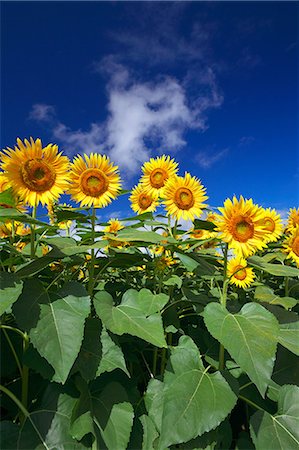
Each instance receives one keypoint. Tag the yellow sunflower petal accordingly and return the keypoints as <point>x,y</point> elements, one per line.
<point>183,197</point>
<point>142,200</point>
<point>36,174</point>
<point>272,224</point>
<point>291,245</point>
<point>95,180</point>
<point>156,172</point>
<point>239,225</point>
<point>293,219</point>
<point>238,272</point>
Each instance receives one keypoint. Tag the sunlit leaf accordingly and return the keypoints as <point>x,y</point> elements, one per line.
<point>278,270</point>
<point>289,336</point>
<point>10,290</point>
<point>249,336</point>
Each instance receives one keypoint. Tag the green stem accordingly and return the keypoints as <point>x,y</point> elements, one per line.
<point>32,236</point>
<point>92,261</point>
<point>223,299</point>
<point>155,361</point>
<point>24,411</point>
<point>246,400</point>
<point>16,330</point>
<point>13,351</point>
<point>25,376</point>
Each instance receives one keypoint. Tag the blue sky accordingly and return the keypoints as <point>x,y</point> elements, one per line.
<point>214,84</point>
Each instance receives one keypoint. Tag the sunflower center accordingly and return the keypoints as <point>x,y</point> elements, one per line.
<point>240,273</point>
<point>144,201</point>
<point>184,198</point>
<point>37,175</point>
<point>94,182</point>
<point>295,246</point>
<point>242,229</point>
<point>158,178</point>
<point>269,224</point>
<point>197,234</point>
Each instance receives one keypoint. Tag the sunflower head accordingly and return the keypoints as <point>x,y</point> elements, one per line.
<point>238,272</point>
<point>272,224</point>
<point>37,174</point>
<point>142,200</point>
<point>95,180</point>
<point>114,226</point>
<point>183,197</point>
<point>291,245</point>
<point>156,172</point>
<point>293,219</point>
<point>4,182</point>
<point>239,225</point>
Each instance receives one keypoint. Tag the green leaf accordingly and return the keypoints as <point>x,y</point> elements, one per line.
<point>289,336</point>
<point>174,280</point>
<point>10,290</point>
<point>27,308</point>
<point>130,317</point>
<point>150,433</point>
<point>59,331</point>
<point>266,294</point>
<point>188,262</point>
<point>112,356</point>
<point>142,236</point>
<point>34,267</point>
<point>50,423</point>
<point>274,269</point>
<point>195,401</point>
<point>89,357</point>
<point>279,431</point>
<point>14,214</point>
<point>7,198</point>
<point>154,402</point>
<point>249,336</point>
<point>204,225</point>
<point>106,412</point>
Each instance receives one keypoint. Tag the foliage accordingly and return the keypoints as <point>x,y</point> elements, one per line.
<point>135,339</point>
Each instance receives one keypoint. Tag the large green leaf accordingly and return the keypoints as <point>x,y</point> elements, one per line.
<point>130,317</point>
<point>112,356</point>
<point>105,413</point>
<point>10,289</point>
<point>27,308</point>
<point>266,294</point>
<point>289,336</point>
<point>195,401</point>
<point>279,431</point>
<point>49,426</point>
<point>154,402</point>
<point>278,270</point>
<point>59,331</point>
<point>249,336</point>
<point>150,433</point>
<point>128,235</point>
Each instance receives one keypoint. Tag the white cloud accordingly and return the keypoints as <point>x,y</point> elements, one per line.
<point>42,112</point>
<point>206,159</point>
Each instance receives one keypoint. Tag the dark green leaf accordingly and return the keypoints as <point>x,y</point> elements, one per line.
<point>279,431</point>
<point>129,317</point>
<point>278,270</point>
<point>112,356</point>
<point>150,433</point>
<point>59,331</point>
<point>289,336</point>
<point>250,337</point>
<point>190,391</point>
<point>266,294</point>
<point>10,290</point>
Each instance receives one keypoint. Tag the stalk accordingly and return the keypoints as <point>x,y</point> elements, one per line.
<point>25,377</point>
<point>32,236</point>
<point>223,299</point>
<point>92,261</point>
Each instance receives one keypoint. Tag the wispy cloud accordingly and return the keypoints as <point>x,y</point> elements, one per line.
<point>245,141</point>
<point>42,112</point>
<point>208,158</point>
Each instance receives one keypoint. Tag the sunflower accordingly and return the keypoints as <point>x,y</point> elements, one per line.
<point>272,224</point>
<point>8,228</point>
<point>95,181</point>
<point>238,272</point>
<point>291,245</point>
<point>143,200</point>
<point>37,174</point>
<point>239,226</point>
<point>293,219</point>
<point>4,183</point>
<point>184,197</point>
<point>156,172</point>
<point>114,226</point>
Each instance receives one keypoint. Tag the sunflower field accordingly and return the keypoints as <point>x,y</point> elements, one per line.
<point>174,328</point>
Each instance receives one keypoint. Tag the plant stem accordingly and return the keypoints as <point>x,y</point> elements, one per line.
<point>223,299</point>
<point>25,376</point>
<point>13,350</point>
<point>32,236</point>
<point>92,261</point>
<point>246,400</point>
